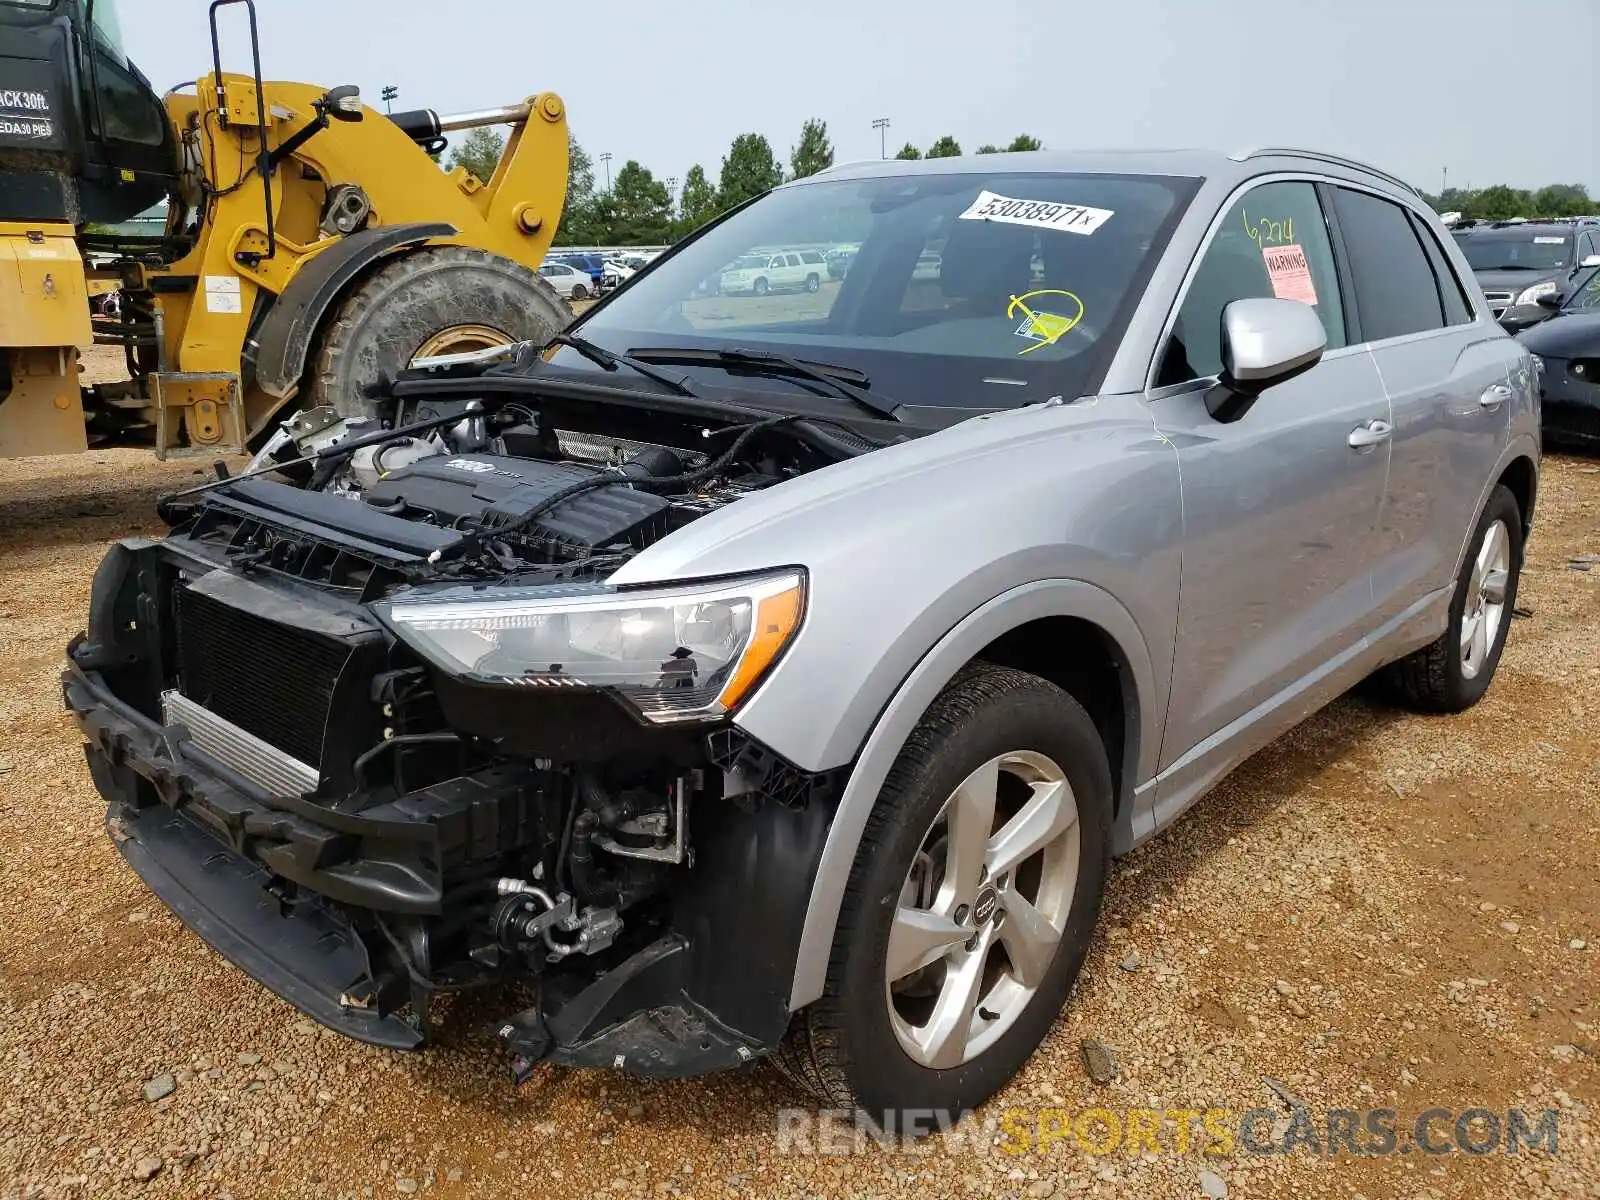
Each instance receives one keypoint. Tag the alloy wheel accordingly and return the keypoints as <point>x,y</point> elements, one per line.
<point>1485,608</point>
<point>982,909</point>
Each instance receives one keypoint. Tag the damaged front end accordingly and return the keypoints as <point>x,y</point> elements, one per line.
<point>367,781</point>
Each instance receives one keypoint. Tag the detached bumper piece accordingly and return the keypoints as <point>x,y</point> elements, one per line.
<point>308,955</point>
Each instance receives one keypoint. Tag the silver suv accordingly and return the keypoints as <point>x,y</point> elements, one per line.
<point>779,680</point>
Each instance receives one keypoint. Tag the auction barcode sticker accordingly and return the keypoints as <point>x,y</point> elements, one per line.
<point>1040,214</point>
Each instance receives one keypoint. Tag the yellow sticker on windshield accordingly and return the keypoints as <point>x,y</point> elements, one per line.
<point>1038,326</point>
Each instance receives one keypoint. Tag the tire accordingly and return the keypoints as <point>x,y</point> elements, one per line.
<point>761,287</point>
<point>379,326</point>
<point>813,283</point>
<point>1443,677</point>
<point>847,1048</point>
<point>579,292</point>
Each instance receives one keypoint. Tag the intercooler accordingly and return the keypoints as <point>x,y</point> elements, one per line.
<point>272,680</point>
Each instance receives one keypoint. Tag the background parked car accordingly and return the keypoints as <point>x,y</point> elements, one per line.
<point>785,270</point>
<point>568,281</point>
<point>1568,346</point>
<point>1518,261</point>
<point>593,264</point>
<point>616,273</point>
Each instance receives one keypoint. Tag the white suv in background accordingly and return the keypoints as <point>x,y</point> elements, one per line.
<point>782,270</point>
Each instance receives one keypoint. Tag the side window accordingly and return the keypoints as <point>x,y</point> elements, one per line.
<point>1457,308</point>
<point>776,263</point>
<point>793,260</point>
<point>127,112</point>
<point>811,256</point>
<point>1272,242</point>
<point>1394,284</point>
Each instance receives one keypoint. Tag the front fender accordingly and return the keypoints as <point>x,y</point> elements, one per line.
<point>279,348</point>
<point>1030,602</point>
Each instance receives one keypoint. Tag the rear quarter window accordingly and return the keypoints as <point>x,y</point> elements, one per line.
<point>1396,293</point>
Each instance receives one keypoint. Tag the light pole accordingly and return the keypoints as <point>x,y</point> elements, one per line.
<point>388,94</point>
<point>672,189</point>
<point>881,124</point>
<point>605,160</point>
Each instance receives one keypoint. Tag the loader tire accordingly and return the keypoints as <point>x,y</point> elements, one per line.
<point>440,299</point>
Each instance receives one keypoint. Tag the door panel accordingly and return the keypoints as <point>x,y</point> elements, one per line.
<point>1280,513</point>
<point>1447,435</point>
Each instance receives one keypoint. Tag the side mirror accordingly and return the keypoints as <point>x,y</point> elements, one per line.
<point>1264,342</point>
<point>343,103</point>
<point>1550,300</point>
<point>1592,260</point>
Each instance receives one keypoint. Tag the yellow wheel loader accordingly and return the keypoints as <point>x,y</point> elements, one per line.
<point>310,246</point>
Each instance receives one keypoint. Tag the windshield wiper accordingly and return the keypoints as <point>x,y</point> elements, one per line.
<point>847,383</point>
<point>611,360</point>
<point>1512,267</point>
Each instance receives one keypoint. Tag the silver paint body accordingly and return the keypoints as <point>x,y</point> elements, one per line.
<point>1249,572</point>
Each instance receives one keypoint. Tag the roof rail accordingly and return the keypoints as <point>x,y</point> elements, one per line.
<point>1337,159</point>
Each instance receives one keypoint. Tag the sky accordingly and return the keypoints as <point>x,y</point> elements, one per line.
<point>1490,91</point>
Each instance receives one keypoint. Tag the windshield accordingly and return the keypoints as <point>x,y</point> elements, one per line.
<point>1512,250</point>
<point>1585,294</point>
<point>964,290</point>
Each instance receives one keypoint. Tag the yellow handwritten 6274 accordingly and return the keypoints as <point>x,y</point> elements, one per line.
<point>1266,232</point>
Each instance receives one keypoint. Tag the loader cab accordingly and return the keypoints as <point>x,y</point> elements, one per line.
<point>83,136</point>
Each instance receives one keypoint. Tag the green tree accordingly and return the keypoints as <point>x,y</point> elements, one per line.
<point>1562,200</point>
<point>748,169</point>
<point>1025,141</point>
<point>642,214</point>
<point>578,214</point>
<point>815,151</point>
<point>909,151</point>
<point>478,152</point>
<point>1497,203</point>
<point>988,148</point>
<point>945,147</point>
<point>698,202</point>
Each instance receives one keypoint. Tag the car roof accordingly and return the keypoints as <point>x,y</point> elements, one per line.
<point>1214,165</point>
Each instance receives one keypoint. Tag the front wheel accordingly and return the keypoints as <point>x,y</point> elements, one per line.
<point>761,288</point>
<point>970,907</point>
<point>1452,673</point>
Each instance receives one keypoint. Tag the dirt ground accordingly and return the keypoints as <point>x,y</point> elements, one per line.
<point>1380,911</point>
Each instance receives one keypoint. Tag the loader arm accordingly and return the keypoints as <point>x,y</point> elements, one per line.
<point>224,286</point>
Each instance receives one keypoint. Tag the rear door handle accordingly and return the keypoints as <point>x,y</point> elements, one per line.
<point>1368,435</point>
<point>1494,397</point>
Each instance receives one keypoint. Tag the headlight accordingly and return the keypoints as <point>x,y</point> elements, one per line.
<point>1531,295</point>
<point>675,653</point>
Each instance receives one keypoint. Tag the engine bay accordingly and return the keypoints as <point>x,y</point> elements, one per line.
<point>524,493</point>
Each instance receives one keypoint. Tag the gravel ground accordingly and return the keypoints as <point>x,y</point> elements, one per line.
<point>1379,911</point>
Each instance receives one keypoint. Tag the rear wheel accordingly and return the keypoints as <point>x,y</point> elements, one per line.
<point>579,292</point>
<point>438,300</point>
<point>812,283</point>
<point>970,908</point>
<point>1452,673</point>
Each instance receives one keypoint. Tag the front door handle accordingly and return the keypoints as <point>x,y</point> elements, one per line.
<point>1494,397</point>
<point>1368,435</point>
